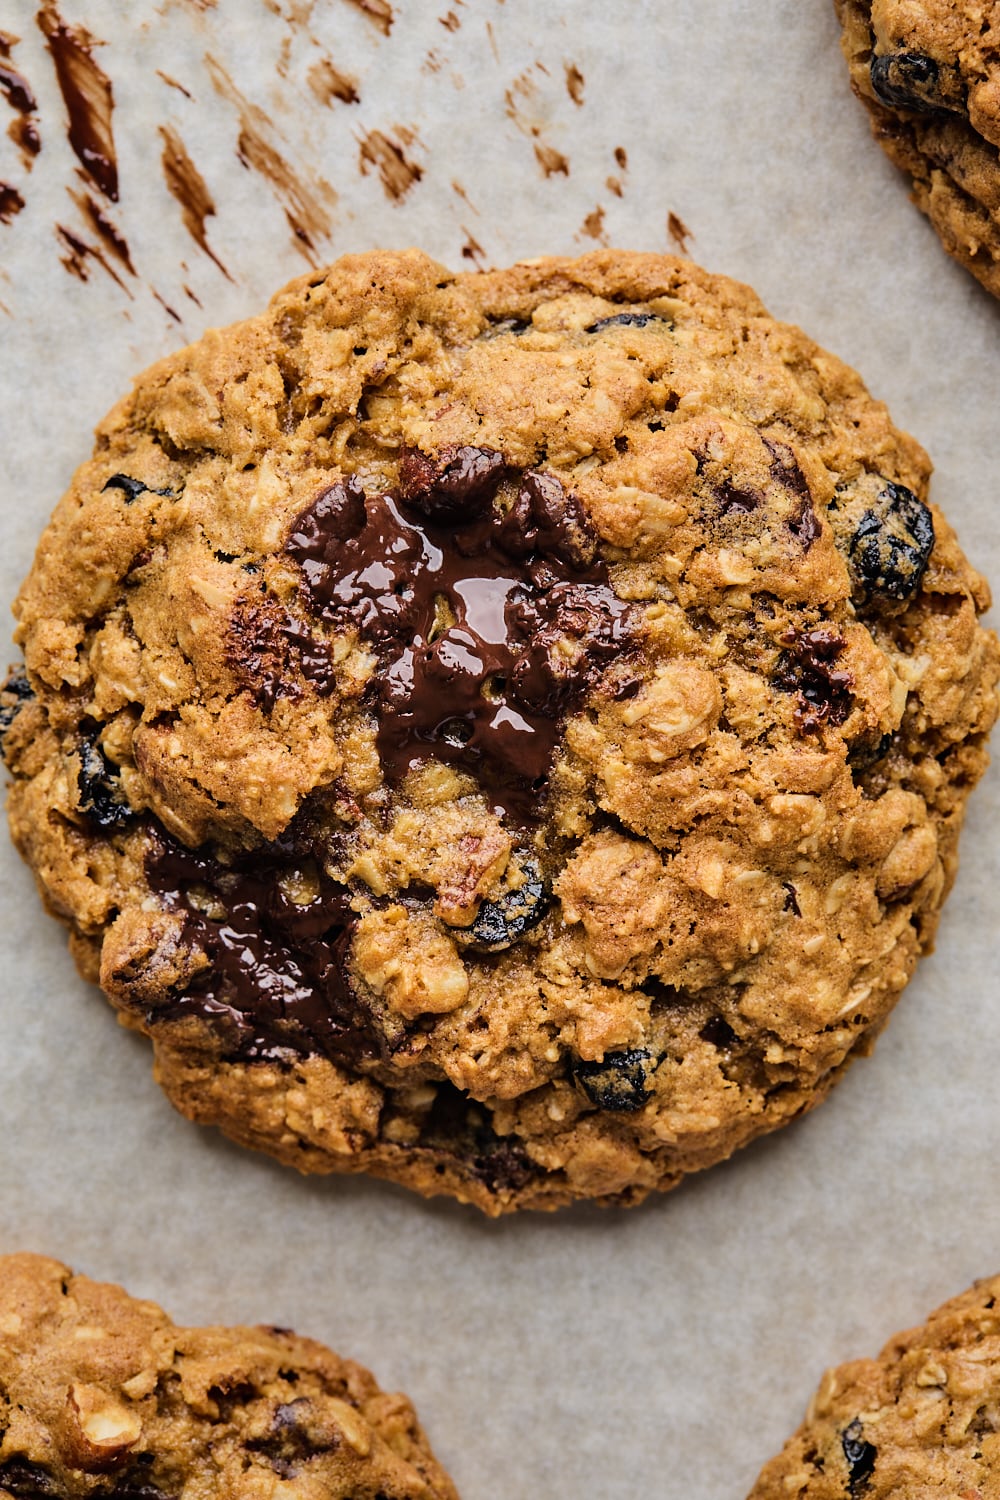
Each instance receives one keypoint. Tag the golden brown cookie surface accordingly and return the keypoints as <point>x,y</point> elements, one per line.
<point>102,1395</point>
<point>929,73</point>
<point>923,1419</point>
<point>505,732</point>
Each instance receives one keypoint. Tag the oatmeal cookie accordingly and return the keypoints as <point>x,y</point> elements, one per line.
<point>505,732</point>
<point>101,1395</point>
<point>922,1420</point>
<point>929,73</point>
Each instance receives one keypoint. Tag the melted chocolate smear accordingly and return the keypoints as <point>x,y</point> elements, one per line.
<point>277,979</point>
<point>87,94</point>
<point>809,667</point>
<point>785,470</point>
<point>469,609</point>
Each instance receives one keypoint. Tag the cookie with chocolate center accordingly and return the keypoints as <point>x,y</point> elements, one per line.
<point>929,73</point>
<point>921,1419</point>
<point>102,1395</point>
<point>505,732</point>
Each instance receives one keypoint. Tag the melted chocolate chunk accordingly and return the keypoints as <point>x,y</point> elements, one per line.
<point>804,524</point>
<point>624,320</point>
<point>269,650</point>
<point>491,625</point>
<point>914,81</point>
<point>277,979</point>
<point>892,544</point>
<point>733,499</point>
<point>501,923</point>
<point>131,488</point>
<point>457,484</point>
<point>860,1456</point>
<point>101,796</point>
<point>809,668</point>
<point>617,1083</point>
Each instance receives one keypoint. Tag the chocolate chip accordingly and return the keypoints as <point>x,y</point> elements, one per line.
<point>15,693</point>
<point>501,923</point>
<point>791,898</point>
<point>458,482</point>
<point>515,326</point>
<point>624,320</point>
<point>860,1456</point>
<point>101,796</point>
<point>617,1083</point>
<point>809,668</point>
<point>914,81</point>
<point>26,1480</point>
<point>131,488</point>
<point>892,544</point>
<point>733,498</point>
<point>457,1125</point>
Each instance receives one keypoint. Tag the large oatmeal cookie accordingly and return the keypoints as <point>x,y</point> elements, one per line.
<point>921,1421</point>
<point>101,1395</point>
<point>929,73</point>
<point>505,732</point>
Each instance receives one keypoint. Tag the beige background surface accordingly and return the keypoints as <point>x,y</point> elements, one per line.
<point>667,1351</point>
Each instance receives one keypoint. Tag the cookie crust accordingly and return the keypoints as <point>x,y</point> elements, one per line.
<point>101,1394</point>
<point>752,657</point>
<point>928,72</point>
<point>920,1420</point>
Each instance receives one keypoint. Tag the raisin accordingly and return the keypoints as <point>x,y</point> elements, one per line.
<point>503,922</point>
<point>624,320</point>
<point>892,544</point>
<point>860,1456</point>
<point>14,694</point>
<point>101,795</point>
<point>913,81</point>
<point>617,1083</point>
<point>131,488</point>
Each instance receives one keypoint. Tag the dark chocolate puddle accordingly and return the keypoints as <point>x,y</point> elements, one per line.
<point>277,980</point>
<point>490,624</point>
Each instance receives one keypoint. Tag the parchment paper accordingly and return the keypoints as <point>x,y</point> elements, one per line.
<point>668,1350</point>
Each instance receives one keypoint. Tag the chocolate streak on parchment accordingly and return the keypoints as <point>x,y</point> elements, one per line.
<point>79,254</point>
<point>379,11</point>
<point>23,130</point>
<point>387,156</point>
<point>111,238</point>
<point>87,94</point>
<point>11,202</point>
<point>186,184</point>
<point>304,204</point>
